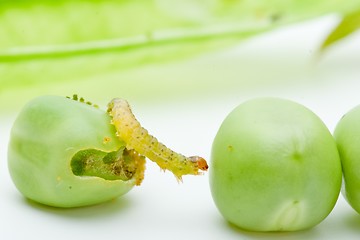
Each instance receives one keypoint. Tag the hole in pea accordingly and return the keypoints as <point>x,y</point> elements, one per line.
<point>116,165</point>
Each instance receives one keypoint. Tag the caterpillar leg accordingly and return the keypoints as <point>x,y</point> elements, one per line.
<point>138,138</point>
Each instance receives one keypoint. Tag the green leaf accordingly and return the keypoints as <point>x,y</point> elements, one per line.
<point>349,24</point>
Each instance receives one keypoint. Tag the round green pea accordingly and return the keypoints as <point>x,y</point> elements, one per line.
<point>347,136</point>
<point>274,167</point>
<point>55,145</point>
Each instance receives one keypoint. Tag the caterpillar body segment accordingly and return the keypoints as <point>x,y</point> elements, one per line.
<point>138,138</point>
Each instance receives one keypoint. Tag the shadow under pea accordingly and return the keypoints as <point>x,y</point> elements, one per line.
<point>352,222</point>
<point>115,206</point>
<point>311,233</point>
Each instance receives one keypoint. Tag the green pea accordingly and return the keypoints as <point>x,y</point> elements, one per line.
<point>274,167</point>
<point>65,153</point>
<point>347,136</point>
<point>68,153</point>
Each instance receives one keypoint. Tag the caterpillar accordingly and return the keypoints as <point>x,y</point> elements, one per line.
<point>136,137</point>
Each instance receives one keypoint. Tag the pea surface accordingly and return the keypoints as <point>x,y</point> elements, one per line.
<point>347,136</point>
<point>274,167</point>
<point>54,144</point>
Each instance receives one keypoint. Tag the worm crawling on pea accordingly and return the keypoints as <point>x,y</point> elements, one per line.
<point>63,152</point>
<point>138,138</point>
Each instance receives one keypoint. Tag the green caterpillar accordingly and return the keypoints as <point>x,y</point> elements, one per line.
<point>138,138</point>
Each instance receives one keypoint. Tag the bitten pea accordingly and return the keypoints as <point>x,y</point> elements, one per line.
<point>68,153</point>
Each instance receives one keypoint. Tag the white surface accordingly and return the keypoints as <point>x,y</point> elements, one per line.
<point>163,209</point>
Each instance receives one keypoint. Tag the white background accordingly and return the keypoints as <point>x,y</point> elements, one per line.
<point>163,209</point>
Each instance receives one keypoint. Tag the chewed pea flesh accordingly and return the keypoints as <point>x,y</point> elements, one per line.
<point>137,138</point>
<point>122,164</point>
<point>117,165</point>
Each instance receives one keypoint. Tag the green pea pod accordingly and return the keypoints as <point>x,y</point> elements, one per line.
<point>50,39</point>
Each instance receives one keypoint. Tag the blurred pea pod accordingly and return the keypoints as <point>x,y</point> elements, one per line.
<point>46,43</point>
